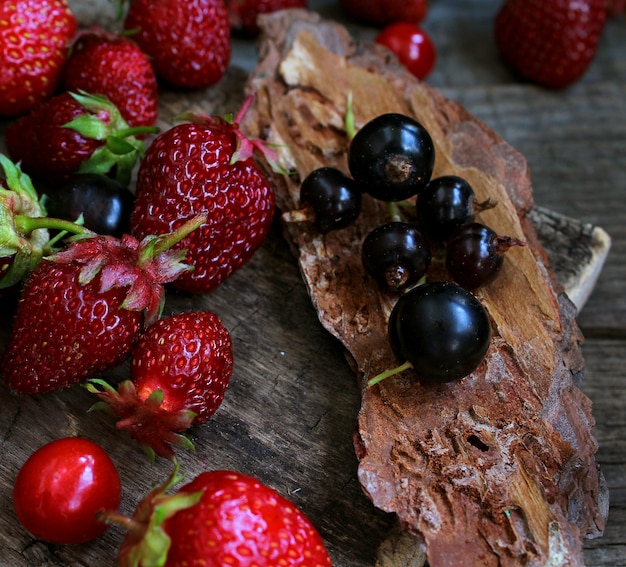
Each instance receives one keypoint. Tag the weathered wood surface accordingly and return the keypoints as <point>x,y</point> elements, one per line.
<point>289,414</point>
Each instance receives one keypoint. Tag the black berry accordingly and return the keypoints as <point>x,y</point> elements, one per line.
<point>441,329</point>
<point>396,254</point>
<point>104,203</point>
<point>391,157</point>
<point>475,254</point>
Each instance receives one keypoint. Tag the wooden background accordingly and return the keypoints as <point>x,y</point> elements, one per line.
<point>290,410</point>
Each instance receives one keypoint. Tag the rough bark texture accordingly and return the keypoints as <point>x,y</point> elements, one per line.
<point>498,468</point>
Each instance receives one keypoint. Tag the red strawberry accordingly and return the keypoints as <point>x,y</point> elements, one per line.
<point>206,167</point>
<point>550,42</point>
<point>243,13</point>
<point>33,47</point>
<point>81,310</point>
<point>219,518</point>
<point>383,12</point>
<point>24,236</point>
<point>180,369</point>
<point>115,67</point>
<point>188,42</point>
<point>74,133</point>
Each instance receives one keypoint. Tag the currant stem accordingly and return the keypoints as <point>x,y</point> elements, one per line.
<point>387,373</point>
<point>349,120</point>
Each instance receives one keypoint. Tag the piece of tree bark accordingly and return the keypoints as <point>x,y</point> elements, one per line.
<point>495,469</point>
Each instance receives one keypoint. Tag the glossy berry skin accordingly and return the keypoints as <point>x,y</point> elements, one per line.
<point>224,518</point>
<point>333,196</point>
<point>441,329</point>
<point>187,170</point>
<point>445,204</point>
<point>413,47</point>
<point>475,254</point>
<point>396,254</point>
<point>391,157</point>
<point>34,35</point>
<point>104,203</point>
<point>188,42</point>
<point>114,66</point>
<point>382,12</point>
<point>82,309</point>
<point>180,369</point>
<point>62,486</point>
<point>243,14</point>
<point>550,42</point>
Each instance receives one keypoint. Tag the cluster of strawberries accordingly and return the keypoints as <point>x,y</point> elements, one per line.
<point>85,101</point>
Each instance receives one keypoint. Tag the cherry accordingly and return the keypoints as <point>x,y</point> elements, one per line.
<point>333,197</point>
<point>391,157</point>
<point>475,254</point>
<point>446,203</point>
<point>104,203</point>
<point>440,330</point>
<point>396,254</point>
<point>412,46</point>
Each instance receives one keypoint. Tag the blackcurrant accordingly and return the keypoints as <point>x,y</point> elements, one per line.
<point>446,203</point>
<point>333,197</point>
<point>104,203</point>
<point>391,157</point>
<point>396,254</point>
<point>475,254</point>
<point>441,329</point>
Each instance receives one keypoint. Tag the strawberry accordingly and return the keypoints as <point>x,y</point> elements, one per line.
<point>550,42</point>
<point>221,517</point>
<point>114,66</point>
<point>24,236</point>
<point>206,167</point>
<point>82,309</point>
<point>34,35</point>
<point>180,369</point>
<point>74,133</point>
<point>188,42</point>
<point>383,12</point>
<point>243,13</point>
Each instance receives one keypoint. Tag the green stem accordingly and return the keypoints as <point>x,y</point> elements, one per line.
<point>391,372</point>
<point>349,120</point>
<point>136,131</point>
<point>26,225</point>
<point>165,242</point>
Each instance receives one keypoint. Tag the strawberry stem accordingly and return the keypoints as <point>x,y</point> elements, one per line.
<point>163,243</point>
<point>26,225</point>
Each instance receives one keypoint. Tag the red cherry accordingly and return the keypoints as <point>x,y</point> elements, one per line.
<point>412,46</point>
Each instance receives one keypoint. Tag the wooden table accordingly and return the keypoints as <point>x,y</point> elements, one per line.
<point>290,410</point>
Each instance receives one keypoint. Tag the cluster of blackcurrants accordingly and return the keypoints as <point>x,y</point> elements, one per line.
<point>439,328</point>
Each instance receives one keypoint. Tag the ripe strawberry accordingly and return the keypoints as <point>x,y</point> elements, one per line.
<point>74,133</point>
<point>243,13</point>
<point>550,42</point>
<point>81,310</point>
<point>114,66</point>
<point>383,12</point>
<point>188,42</point>
<point>206,167</point>
<point>180,369</point>
<point>24,236</point>
<point>219,518</point>
<point>33,47</point>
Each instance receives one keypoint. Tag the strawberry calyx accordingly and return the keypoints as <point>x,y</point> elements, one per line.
<point>146,420</point>
<point>147,543</point>
<point>24,236</point>
<point>143,267</point>
<point>103,122</point>
<point>245,147</point>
